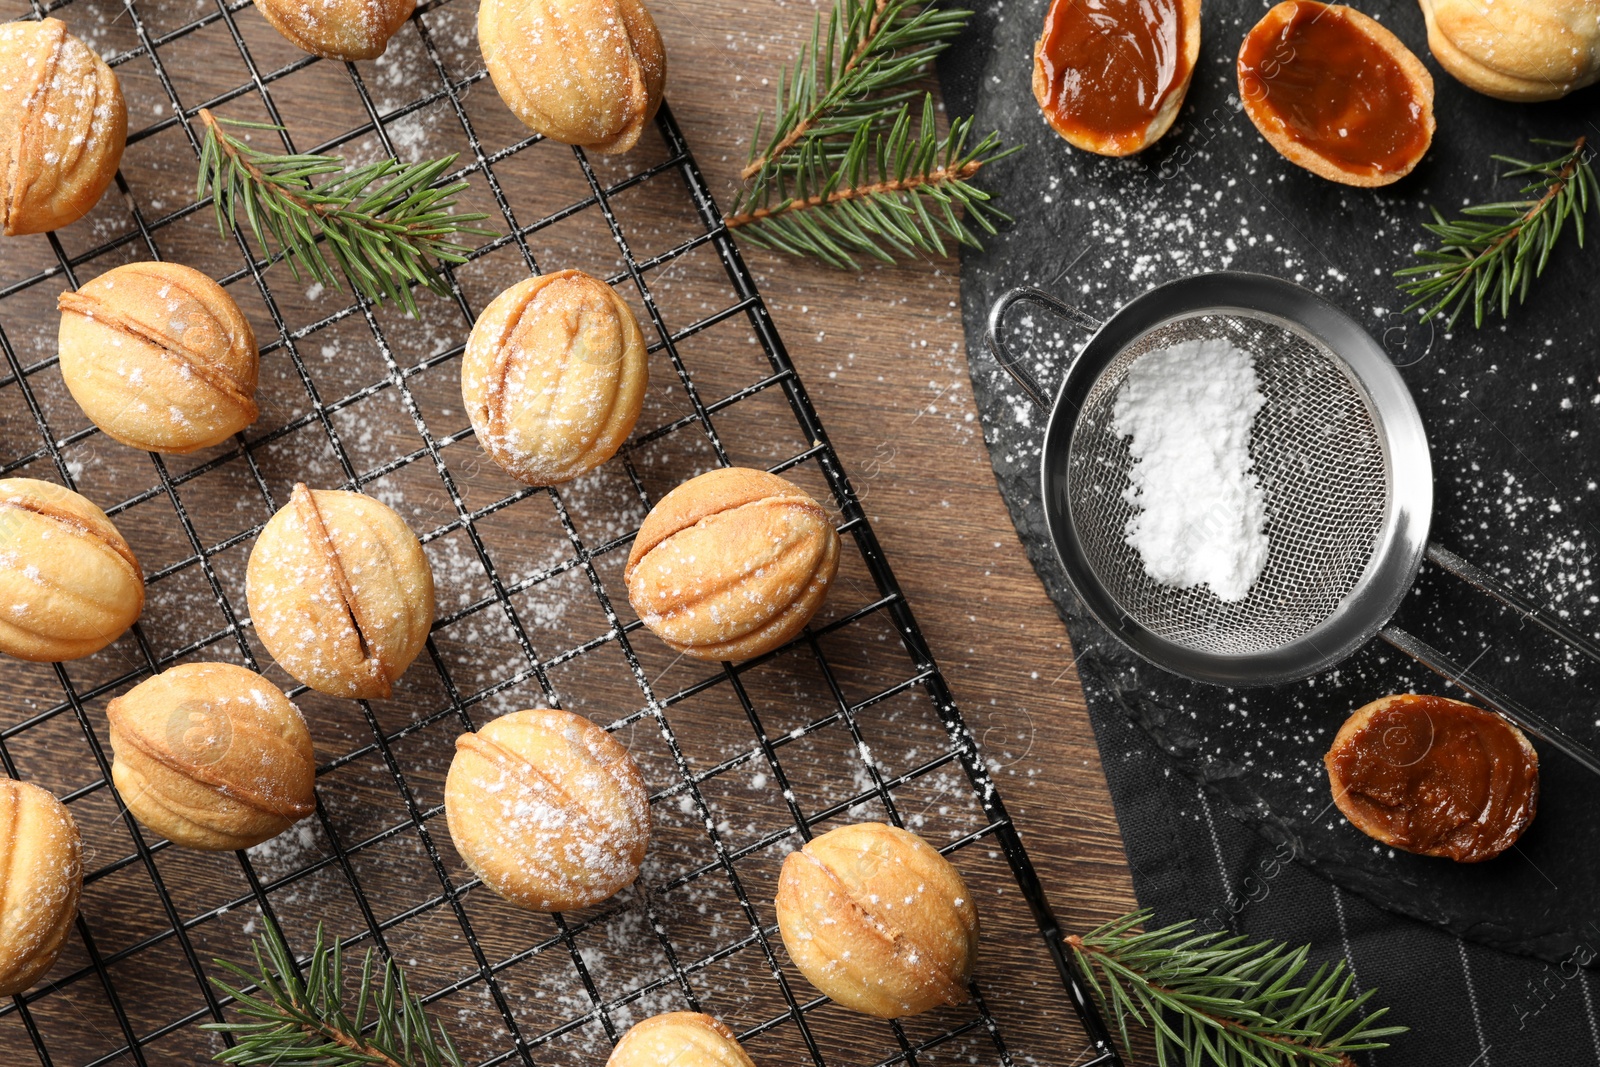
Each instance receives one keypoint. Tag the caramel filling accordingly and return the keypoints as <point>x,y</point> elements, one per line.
<point>1329,86</point>
<point>1440,778</point>
<point>1110,66</point>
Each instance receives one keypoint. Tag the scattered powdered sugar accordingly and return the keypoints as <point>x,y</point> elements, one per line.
<point>286,852</point>
<point>1202,513</point>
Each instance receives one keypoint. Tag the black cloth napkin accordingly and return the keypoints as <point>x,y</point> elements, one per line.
<point>1467,1005</point>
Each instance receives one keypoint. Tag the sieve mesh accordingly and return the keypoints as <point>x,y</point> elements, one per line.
<point>1320,460</point>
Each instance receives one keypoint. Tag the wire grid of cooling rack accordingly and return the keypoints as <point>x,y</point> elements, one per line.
<point>489,965</point>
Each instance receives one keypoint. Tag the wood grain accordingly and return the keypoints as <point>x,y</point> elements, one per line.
<point>881,353</point>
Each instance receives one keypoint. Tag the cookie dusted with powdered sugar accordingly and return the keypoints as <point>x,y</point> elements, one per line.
<point>338,29</point>
<point>878,920</point>
<point>69,583</point>
<point>159,357</point>
<point>679,1039</point>
<point>212,756</point>
<point>554,376</point>
<point>548,809</point>
<point>582,72</point>
<point>732,564</point>
<point>41,858</point>
<point>340,592</point>
<point>63,125</point>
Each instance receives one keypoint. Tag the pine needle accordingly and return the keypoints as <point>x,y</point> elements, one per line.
<point>846,168</point>
<point>385,224</point>
<point>289,1019</point>
<point>1493,252</point>
<point>1216,999</point>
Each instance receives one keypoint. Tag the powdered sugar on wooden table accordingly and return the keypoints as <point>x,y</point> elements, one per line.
<point>1202,512</point>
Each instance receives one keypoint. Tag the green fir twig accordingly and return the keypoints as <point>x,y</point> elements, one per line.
<point>854,74</point>
<point>1209,998</point>
<point>1493,252</point>
<point>891,194</point>
<point>289,1019</point>
<point>847,168</point>
<point>386,224</point>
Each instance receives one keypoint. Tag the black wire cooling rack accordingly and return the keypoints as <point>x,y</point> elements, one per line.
<point>373,863</point>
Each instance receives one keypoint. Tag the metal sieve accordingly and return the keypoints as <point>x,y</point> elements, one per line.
<point>1340,452</point>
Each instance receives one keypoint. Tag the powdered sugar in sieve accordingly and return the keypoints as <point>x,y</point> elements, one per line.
<point>1318,464</point>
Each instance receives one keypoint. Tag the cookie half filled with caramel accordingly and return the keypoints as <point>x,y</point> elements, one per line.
<point>1110,75</point>
<point>1434,776</point>
<point>1336,93</point>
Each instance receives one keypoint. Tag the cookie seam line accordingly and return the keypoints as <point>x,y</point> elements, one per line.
<point>244,794</point>
<point>92,307</point>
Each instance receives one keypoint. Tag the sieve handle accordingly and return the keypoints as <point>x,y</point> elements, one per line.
<point>1002,355</point>
<point>1540,617</point>
<point>1528,720</point>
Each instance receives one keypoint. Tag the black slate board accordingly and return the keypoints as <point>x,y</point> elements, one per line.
<point>1512,412</point>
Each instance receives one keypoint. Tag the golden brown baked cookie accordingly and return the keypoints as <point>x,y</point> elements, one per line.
<point>1111,76</point>
<point>1516,49</point>
<point>732,564</point>
<point>583,72</point>
<point>69,582</point>
<point>554,376</point>
<point>159,357</point>
<point>41,876</point>
<point>212,756</point>
<point>338,29</point>
<point>340,592</point>
<point>63,126</point>
<point>1434,776</point>
<point>878,920</point>
<point>548,809</point>
<point>679,1039</point>
<point>1336,93</point>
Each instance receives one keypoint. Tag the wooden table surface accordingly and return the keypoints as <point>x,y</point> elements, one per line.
<point>881,353</point>
<point>884,357</point>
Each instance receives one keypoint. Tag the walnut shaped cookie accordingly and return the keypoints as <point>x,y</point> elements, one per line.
<point>548,809</point>
<point>554,376</point>
<point>41,856</point>
<point>679,1039</point>
<point>340,592</point>
<point>159,357</point>
<point>212,756</point>
<point>338,29</point>
<point>70,582</point>
<point>732,564</point>
<point>878,920</point>
<point>582,72</point>
<point>63,126</point>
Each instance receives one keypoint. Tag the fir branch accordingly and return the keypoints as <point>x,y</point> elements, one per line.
<point>850,75</point>
<point>892,193</point>
<point>289,1019</point>
<point>1495,251</point>
<point>848,169</point>
<point>386,224</point>
<point>1222,1000</point>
